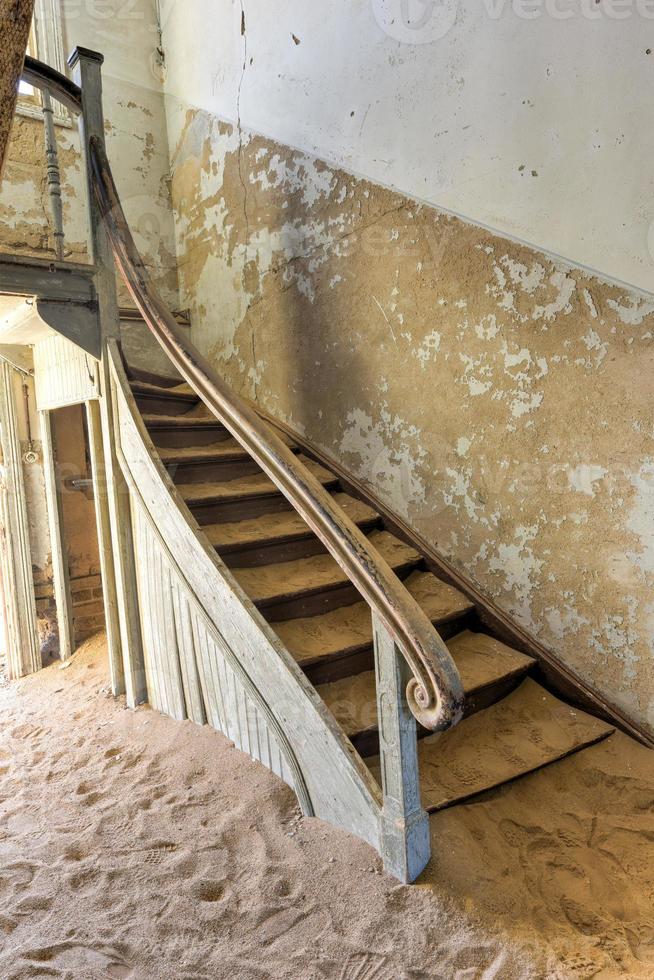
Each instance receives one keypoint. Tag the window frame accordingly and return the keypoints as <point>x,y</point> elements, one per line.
<point>47,40</point>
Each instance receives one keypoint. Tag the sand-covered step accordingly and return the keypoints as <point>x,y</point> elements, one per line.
<point>251,486</point>
<point>226,450</point>
<point>526,731</point>
<point>489,671</point>
<point>347,631</point>
<point>170,389</point>
<point>285,527</point>
<point>281,583</point>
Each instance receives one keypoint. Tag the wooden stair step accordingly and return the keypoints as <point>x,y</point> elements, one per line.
<point>194,428</point>
<point>489,670</point>
<point>178,393</point>
<point>256,485</point>
<point>348,630</point>
<point>279,528</point>
<point>187,421</point>
<point>526,731</point>
<point>139,375</point>
<point>269,584</point>
<point>227,450</point>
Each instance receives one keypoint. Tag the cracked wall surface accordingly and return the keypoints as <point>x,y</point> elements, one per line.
<point>526,116</point>
<point>499,401</point>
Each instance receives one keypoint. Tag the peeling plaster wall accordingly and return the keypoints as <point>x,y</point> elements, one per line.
<point>499,401</point>
<point>25,219</point>
<point>137,146</point>
<point>528,116</point>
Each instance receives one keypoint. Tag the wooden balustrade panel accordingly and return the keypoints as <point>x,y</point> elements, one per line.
<point>190,671</point>
<point>211,657</point>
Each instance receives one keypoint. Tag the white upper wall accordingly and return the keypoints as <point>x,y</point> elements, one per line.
<point>532,117</point>
<point>126,33</point>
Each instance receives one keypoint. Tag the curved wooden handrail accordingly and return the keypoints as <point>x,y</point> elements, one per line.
<point>42,76</point>
<point>435,692</point>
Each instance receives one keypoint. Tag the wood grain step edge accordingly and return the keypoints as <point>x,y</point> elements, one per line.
<point>144,392</point>
<point>176,422</point>
<point>438,622</point>
<point>270,602</point>
<point>365,524</point>
<point>452,608</point>
<point>262,493</point>
<point>234,454</point>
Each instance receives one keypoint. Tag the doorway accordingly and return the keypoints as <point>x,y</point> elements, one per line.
<point>77,576</point>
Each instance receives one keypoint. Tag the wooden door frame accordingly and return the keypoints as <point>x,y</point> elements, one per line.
<point>58,549</point>
<point>24,649</point>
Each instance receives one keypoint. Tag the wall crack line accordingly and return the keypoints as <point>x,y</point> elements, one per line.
<point>240,128</point>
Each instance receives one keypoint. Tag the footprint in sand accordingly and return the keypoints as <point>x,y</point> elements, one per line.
<point>211,891</point>
<point>18,875</point>
<point>75,959</point>
<point>84,880</point>
<point>26,731</point>
<point>74,853</point>
<point>282,889</point>
<point>130,761</point>
<point>7,925</point>
<point>34,903</point>
<point>89,794</point>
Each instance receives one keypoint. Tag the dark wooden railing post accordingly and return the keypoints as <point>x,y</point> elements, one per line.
<point>405,842</point>
<point>118,569</point>
<point>53,175</point>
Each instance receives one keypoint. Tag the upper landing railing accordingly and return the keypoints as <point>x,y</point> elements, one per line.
<point>53,85</point>
<point>423,667</point>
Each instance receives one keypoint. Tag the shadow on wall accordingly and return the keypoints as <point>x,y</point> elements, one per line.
<point>493,398</point>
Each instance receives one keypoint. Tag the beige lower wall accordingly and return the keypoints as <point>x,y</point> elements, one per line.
<point>501,403</point>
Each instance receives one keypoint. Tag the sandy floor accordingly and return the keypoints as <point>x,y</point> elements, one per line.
<point>133,846</point>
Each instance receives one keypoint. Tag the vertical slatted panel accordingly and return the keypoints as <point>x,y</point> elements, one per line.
<point>145,606</point>
<point>158,628</point>
<point>214,717</point>
<point>188,657</point>
<point>187,669</point>
<point>63,373</point>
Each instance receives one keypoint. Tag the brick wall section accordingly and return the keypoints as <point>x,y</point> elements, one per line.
<point>88,606</point>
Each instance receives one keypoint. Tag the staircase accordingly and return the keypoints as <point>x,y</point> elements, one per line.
<point>249,587</point>
<point>512,725</point>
